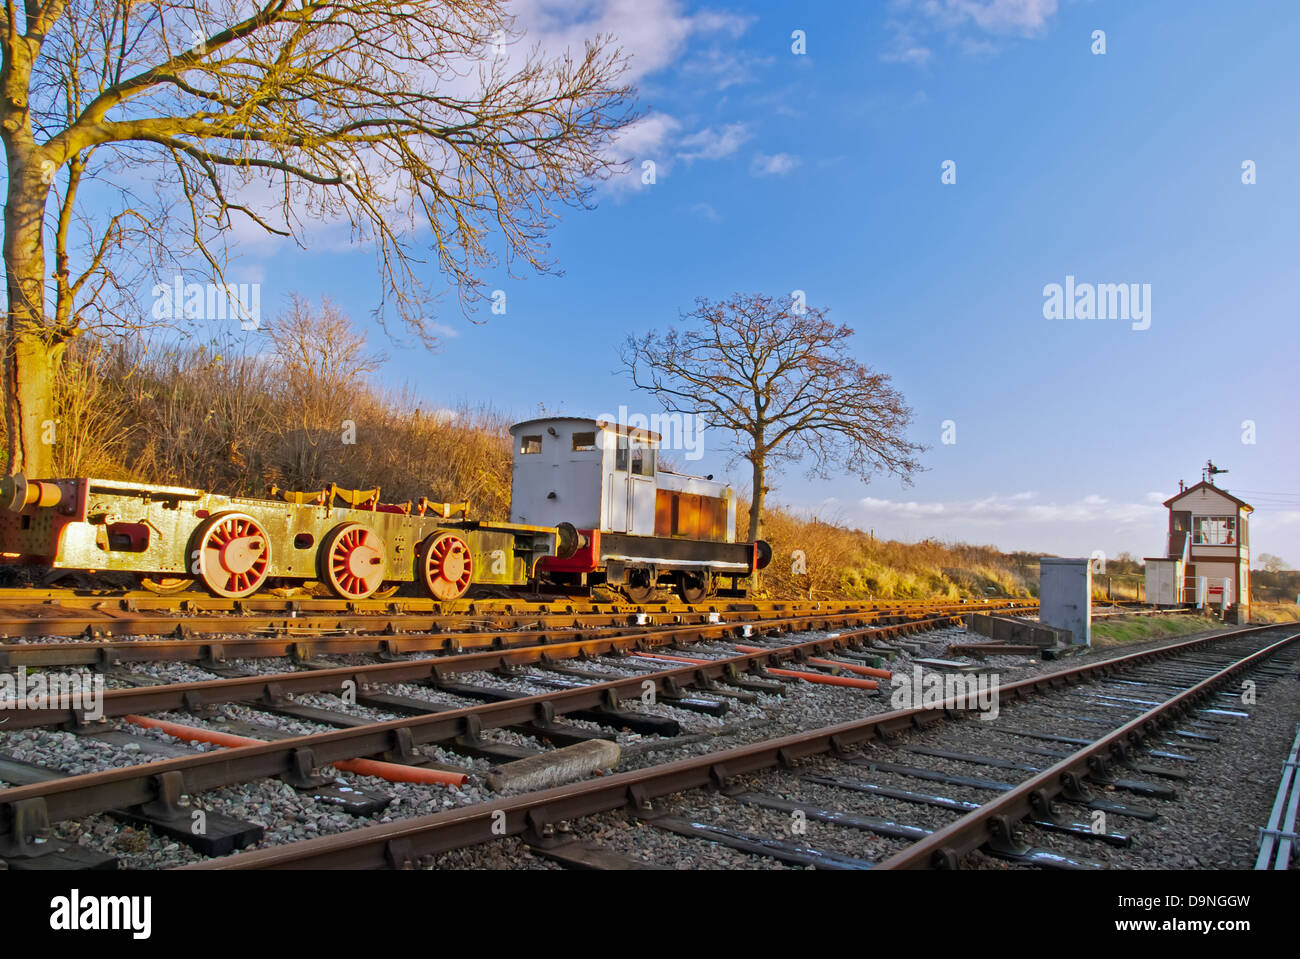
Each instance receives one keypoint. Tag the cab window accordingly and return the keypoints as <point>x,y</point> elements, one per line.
<point>643,462</point>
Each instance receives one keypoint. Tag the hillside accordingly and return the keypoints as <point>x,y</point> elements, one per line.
<point>303,415</point>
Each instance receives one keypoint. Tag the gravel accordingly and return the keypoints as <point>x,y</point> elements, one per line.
<point>1212,825</point>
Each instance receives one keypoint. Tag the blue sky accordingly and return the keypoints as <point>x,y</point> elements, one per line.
<point>822,172</point>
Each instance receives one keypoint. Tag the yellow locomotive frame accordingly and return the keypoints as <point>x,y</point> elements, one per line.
<point>346,539</point>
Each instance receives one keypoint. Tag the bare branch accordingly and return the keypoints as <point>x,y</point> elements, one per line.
<point>779,377</point>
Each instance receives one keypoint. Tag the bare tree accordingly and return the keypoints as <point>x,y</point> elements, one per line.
<point>322,362</point>
<point>1270,563</point>
<point>400,118</point>
<point>323,358</point>
<point>778,376</point>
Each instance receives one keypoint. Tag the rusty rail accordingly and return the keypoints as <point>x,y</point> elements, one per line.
<point>83,795</point>
<point>276,686</point>
<point>994,821</point>
<point>405,634</point>
<point>38,620</point>
<point>400,844</point>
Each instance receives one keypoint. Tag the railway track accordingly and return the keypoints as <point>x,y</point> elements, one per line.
<point>402,699</point>
<point>32,614</point>
<point>395,638</point>
<point>395,726</point>
<point>196,601</point>
<point>1071,753</point>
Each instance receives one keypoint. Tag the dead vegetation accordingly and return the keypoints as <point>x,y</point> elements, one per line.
<point>816,559</point>
<point>295,408</point>
<point>300,414</point>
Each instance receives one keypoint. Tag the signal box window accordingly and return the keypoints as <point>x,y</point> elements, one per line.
<point>530,444</point>
<point>620,455</point>
<point>583,442</point>
<point>1214,531</point>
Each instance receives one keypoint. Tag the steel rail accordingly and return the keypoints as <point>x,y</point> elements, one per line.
<point>114,625</point>
<point>91,793</point>
<point>392,640</point>
<point>1278,838</point>
<point>138,600</point>
<point>994,821</point>
<point>401,843</point>
<point>276,686</point>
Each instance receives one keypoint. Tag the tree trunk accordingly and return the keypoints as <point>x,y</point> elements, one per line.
<point>30,356</point>
<point>30,365</point>
<point>756,512</point>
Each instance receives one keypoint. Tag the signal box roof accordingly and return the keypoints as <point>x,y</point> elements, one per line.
<point>1209,486</point>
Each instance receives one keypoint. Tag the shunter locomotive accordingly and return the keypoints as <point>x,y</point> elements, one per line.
<point>637,526</point>
<point>587,507</point>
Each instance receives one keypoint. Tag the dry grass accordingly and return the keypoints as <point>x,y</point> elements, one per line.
<point>839,562</point>
<point>214,418</point>
<point>1274,612</point>
<point>303,415</point>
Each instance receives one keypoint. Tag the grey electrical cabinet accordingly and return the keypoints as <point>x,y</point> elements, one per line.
<point>1065,596</point>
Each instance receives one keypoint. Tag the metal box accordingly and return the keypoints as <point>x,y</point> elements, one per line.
<point>1164,582</point>
<point>1065,596</point>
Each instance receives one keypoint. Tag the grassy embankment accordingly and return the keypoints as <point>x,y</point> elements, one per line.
<point>302,413</point>
<point>1135,629</point>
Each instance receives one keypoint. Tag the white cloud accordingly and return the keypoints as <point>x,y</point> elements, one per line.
<point>908,508</point>
<point>994,16</point>
<point>723,68</point>
<point>778,164</point>
<point>1267,518</point>
<point>998,510</point>
<point>655,138</point>
<point>653,33</point>
<point>912,54</point>
<point>649,138</point>
<point>707,212</point>
<point>711,144</point>
<point>958,19</point>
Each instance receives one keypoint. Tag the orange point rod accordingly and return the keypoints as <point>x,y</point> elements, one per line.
<point>393,772</point>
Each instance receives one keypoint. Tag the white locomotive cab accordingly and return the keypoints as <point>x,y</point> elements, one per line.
<point>595,475</point>
<point>557,472</point>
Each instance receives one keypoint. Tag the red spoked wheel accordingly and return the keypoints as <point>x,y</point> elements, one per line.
<point>352,561</point>
<point>445,566</point>
<point>233,556</point>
